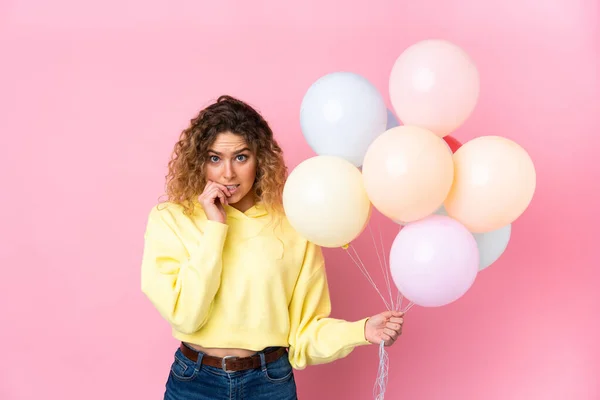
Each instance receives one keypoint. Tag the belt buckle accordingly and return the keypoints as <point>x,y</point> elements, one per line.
<point>223,363</point>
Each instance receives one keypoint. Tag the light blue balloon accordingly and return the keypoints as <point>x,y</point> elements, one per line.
<point>491,245</point>
<point>341,114</point>
<point>392,121</point>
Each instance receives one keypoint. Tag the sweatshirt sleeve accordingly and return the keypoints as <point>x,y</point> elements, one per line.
<point>181,282</point>
<point>314,337</point>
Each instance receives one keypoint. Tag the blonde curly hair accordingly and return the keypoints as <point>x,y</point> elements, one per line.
<point>185,180</point>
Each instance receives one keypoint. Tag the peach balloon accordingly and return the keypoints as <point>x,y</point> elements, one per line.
<point>435,85</point>
<point>408,173</point>
<point>494,182</point>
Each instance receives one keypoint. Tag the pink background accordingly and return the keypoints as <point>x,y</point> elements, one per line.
<point>94,96</point>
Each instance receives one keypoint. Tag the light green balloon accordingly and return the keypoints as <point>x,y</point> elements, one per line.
<point>491,245</point>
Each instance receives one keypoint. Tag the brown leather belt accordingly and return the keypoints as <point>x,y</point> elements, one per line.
<point>232,363</point>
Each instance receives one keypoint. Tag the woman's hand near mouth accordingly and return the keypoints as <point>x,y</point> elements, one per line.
<point>212,200</point>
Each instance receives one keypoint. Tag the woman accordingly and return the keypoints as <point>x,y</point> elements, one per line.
<point>245,294</point>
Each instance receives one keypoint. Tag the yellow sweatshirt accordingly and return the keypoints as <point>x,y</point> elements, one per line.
<point>250,283</point>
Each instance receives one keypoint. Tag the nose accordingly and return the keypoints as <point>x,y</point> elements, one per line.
<point>228,170</point>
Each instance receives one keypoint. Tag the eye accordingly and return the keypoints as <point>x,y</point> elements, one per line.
<point>241,157</point>
<point>214,159</point>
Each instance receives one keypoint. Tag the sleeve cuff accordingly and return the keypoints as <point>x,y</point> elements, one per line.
<point>357,333</point>
<point>210,245</point>
<point>215,234</point>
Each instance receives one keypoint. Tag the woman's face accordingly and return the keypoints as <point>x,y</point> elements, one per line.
<point>231,163</point>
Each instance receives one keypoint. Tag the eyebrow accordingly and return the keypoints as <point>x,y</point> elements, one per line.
<point>235,153</point>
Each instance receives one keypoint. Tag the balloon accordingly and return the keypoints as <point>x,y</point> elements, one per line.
<point>341,114</point>
<point>491,245</point>
<point>494,182</point>
<point>452,143</point>
<point>325,201</point>
<point>435,85</point>
<point>392,121</point>
<point>439,211</point>
<point>408,172</point>
<point>434,261</point>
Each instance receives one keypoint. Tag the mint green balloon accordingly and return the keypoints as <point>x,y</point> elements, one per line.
<point>491,245</point>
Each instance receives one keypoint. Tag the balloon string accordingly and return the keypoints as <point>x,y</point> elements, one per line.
<point>383,264</point>
<point>408,307</point>
<point>382,373</point>
<point>383,369</point>
<point>399,300</point>
<point>365,272</point>
<point>384,363</point>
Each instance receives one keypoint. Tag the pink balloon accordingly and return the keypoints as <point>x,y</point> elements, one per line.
<point>434,84</point>
<point>434,261</point>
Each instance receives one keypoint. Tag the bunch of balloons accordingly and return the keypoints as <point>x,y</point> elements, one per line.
<point>456,201</point>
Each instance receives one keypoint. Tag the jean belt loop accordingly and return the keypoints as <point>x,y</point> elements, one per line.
<point>263,363</point>
<point>199,361</point>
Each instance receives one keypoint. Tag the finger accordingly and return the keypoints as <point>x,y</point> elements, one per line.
<point>391,333</point>
<point>386,315</point>
<point>390,341</point>
<point>222,197</point>
<point>224,189</point>
<point>206,190</point>
<point>396,320</point>
<point>393,326</point>
<point>210,193</point>
<point>397,314</point>
<point>217,193</point>
<point>386,338</point>
<point>208,186</point>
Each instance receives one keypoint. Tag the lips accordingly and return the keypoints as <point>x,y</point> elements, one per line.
<point>232,188</point>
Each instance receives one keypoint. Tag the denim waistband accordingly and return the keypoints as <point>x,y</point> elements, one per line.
<point>220,371</point>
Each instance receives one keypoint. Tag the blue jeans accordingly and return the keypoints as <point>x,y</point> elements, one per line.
<point>189,380</point>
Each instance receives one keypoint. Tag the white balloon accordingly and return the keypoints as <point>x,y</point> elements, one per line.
<point>341,114</point>
<point>491,245</point>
